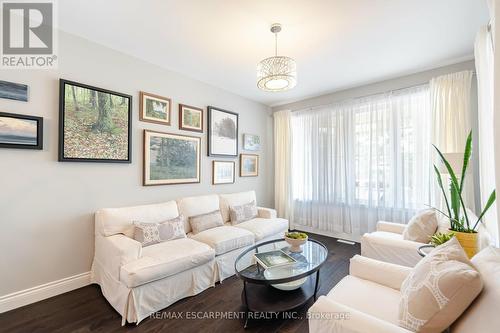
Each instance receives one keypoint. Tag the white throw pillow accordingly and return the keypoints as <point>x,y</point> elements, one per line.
<point>438,289</point>
<point>421,227</point>
<point>153,233</point>
<point>242,213</point>
<point>206,221</point>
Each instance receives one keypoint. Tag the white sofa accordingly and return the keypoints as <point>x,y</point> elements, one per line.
<point>367,300</point>
<point>138,281</point>
<point>387,242</point>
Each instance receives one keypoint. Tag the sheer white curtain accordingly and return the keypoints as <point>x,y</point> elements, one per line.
<point>360,161</point>
<point>451,114</point>
<point>483,52</point>
<point>282,164</point>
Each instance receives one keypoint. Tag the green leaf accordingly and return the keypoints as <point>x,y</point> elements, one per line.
<point>490,202</point>
<point>453,177</point>
<point>440,182</point>
<point>455,201</point>
<point>467,154</point>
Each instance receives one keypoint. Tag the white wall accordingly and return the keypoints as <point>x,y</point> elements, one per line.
<point>495,11</point>
<point>46,207</point>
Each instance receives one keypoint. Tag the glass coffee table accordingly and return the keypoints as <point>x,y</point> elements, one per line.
<point>283,288</point>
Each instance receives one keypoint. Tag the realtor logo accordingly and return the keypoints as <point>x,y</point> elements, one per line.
<point>28,31</point>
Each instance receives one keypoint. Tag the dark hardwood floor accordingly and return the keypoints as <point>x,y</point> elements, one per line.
<point>86,310</point>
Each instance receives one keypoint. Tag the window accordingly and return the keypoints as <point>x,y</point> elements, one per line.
<point>371,153</point>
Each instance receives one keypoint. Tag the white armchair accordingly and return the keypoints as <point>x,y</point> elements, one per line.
<point>367,300</point>
<point>387,244</point>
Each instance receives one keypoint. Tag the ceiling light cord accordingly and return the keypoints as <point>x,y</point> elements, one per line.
<point>275,44</point>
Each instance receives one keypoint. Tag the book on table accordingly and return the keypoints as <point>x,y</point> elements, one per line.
<point>273,259</point>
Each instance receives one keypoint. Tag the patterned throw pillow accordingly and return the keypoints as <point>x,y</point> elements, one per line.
<point>421,227</point>
<point>438,290</point>
<point>206,221</point>
<point>243,213</point>
<point>153,233</point>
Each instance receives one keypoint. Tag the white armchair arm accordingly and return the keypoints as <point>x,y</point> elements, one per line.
<point>394,250</point>
<point>384,273</point>
<point>328,316</point>
<point>396,228</point>
<point>267,213</point>
<point>113,252</point>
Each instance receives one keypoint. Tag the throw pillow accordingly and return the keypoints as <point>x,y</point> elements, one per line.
<point>421,227</point>
<point>243,213</point>
<point>153,233</point>
<point>206,221</point>
<point>438,289</point>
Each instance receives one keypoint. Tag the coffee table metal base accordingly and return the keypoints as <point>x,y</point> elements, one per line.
<point>266,298</point>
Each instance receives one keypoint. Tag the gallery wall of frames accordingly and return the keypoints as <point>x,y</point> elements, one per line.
<point>95,125</point>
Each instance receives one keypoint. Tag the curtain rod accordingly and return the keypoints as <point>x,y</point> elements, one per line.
<point>365,96</point>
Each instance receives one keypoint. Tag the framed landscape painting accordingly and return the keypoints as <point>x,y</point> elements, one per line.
<point>190,118</point>
<point>223,172</point>
<point>251,142</point>
<point>94,124</point>
<point>154,108</point>
<point>15,91</point>
<point>20,131</point>
<point>222,132</point>
<point>171,158</point>
<point>249,165</point>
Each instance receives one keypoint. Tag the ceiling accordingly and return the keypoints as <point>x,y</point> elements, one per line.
<point>337,43</point>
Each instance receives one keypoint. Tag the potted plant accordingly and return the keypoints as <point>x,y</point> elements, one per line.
<point>464,229</point>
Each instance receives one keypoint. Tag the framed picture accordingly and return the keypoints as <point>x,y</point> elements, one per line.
<point>249,165</point>
<point>190,118</point>
<point>94,124</point>
<point>251,142</point>
<point>154,108</point>
<point>20,131</point>
<point>223,172</point>
<point>222,132</point>
<point>171,158</point>
<point>15,91</point>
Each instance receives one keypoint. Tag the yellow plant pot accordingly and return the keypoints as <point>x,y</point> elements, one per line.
<point>468,241</point>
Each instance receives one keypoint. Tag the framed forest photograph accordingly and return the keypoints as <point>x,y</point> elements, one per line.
<point>171,158</point>
<point>222,132</point>
<point>223,172</point>
<point>94,124</point>
<point>154,109</point>
<point>190,118</point>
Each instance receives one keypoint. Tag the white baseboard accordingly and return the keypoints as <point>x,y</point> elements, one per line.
<point>44,291</point>
<point>349,237</point>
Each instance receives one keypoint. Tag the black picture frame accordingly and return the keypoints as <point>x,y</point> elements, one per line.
<point>211,109</point>
<point>62,158</point>
<point>39,132</point>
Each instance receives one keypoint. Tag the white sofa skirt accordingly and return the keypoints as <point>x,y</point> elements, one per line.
<point>136,304</point>
<point>224,263</point>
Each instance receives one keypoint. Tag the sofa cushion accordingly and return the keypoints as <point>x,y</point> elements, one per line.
<point>368,297</point>
<point>263,228</point>
<point>161,260</point>
<point>438,289</point>
<point>234,199</point>
<point>482,315</point>
<point>112,221</point>
<point>224,239</point>
<point>152,233</point>
<point>421,227</point>
<point>192,206</point>
<point>206,221</point>
<point>243,212</point>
